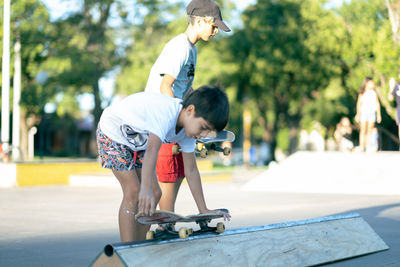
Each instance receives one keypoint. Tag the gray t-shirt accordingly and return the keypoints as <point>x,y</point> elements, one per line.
<point>177,59</point>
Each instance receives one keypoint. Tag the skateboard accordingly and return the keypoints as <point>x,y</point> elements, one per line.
<point>212,137</point>
<point>167,220</point>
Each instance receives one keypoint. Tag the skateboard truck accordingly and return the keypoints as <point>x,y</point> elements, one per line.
<point>166,221</point>
<point>168,232</point>
<point>202,150</point>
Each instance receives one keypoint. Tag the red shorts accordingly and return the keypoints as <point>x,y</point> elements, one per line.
<point>169,166</point>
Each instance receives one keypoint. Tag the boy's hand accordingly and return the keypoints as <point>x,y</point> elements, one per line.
<point>146,202</point>
<point>227,216</point>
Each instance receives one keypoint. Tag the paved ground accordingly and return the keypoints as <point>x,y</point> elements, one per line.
<point>69,226</point>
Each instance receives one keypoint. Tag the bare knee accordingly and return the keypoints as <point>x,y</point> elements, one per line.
<point>131,196</point>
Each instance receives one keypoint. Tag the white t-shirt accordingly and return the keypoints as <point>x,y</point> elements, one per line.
<point>130,121</point>
<point>177,59</point>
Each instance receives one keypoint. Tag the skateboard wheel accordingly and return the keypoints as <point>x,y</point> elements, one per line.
<point>220,227</point>
<point>150,235</point>
<point>226,151</point>
<point>190,231</point>
<point>183,233</point>
<point>203,153</point>
<point>199,146</point>
<point>175,149</point>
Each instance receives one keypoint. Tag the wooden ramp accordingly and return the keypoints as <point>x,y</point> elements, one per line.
<point>299,243</point>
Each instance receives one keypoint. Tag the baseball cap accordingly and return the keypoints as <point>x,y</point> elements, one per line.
<point>207,8</point>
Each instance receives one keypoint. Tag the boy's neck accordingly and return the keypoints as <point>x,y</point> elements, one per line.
<point>192,35</point>
<point>179,123</point>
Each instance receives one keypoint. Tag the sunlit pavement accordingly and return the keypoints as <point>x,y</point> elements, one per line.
<point>69,226</point>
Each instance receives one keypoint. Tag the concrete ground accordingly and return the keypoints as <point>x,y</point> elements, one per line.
<point>69,226</point>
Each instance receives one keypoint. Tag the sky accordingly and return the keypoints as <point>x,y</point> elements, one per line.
<point>59,7</point>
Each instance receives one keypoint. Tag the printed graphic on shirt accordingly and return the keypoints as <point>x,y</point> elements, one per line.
<point>190,73</point>
<point>139,140</point>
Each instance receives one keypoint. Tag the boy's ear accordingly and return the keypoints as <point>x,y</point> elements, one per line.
<point>190,110</point>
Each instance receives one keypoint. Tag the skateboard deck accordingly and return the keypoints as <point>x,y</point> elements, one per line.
<point>167,220</point>
<point>212,137</point>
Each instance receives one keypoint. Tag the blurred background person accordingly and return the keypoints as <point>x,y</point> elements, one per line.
<point>368,112</point>
<point>343,135</point>
<point>394,93</point>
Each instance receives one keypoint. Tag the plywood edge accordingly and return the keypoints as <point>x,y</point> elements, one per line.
<point>102,260</point>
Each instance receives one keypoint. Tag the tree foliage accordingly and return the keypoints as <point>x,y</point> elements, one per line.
<point>291,62</point>
<point>30,24</point>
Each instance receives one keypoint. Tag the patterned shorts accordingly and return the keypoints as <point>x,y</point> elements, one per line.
<point>116,156</point>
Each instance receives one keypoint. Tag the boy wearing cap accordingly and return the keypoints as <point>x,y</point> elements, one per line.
<point>172,74</point>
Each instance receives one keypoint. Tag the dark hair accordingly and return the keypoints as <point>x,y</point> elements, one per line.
<point>211,104</point>
<point>364,83</point>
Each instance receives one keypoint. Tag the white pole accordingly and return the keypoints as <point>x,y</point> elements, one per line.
<point>16,101</point>
<point>31,142</point>
<point>5,89</point>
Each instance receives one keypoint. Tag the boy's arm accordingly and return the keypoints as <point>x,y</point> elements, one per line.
<point>194,181</point>
<point>193,178</point>
<point>147,203</point>
<point>166,85</point>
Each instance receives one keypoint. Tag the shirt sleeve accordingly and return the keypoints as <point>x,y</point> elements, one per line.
<point>173,58</point>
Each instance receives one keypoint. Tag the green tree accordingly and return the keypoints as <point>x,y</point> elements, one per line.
<point>30,24</point>
<point>86,49</point>
<point>161,21</point>
<point>372,51</point>
<point>287,53</point>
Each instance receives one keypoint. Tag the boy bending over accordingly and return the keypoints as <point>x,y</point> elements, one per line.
<point>136,127</point>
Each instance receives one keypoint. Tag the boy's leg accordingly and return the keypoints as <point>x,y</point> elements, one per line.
<point>129,228</point>
<point>121,160</point>
<point>170,173</point>
<point>170,192</point>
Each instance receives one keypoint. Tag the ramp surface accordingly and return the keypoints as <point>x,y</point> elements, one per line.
<point>299,243</point>
<point>332,172</point>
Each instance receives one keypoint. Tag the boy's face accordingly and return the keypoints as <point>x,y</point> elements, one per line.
<point>196,127</point>
<point>207,29</point>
